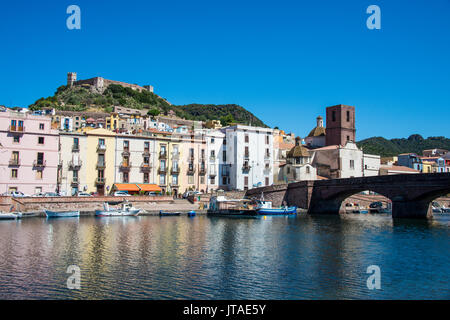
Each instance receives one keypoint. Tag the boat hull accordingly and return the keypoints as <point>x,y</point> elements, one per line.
<point>67,214</point>
<point>234,213</point>
<point>277,211</point>
<point>10,216</point>
<point>117,213</point>
<point>169,214</point>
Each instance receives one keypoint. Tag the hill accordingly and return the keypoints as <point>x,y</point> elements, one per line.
<point>415,143</point>
<point>83,98</point>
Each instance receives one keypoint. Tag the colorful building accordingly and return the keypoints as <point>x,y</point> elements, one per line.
<point>29,153</point>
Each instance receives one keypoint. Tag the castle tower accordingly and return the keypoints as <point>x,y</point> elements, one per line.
<point>71,78</point>
<point>340,125</point>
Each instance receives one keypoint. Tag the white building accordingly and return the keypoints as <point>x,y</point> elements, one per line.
<point>72,155</point>
<point>298,165</point>
<point>338,161</point>
<point>371,163</point>
<point>135,159</point>
<point>249,157</point>
<point>215,156</point>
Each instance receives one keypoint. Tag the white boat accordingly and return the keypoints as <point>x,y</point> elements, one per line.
<point>355,208</point>
<point>10,215</point>
<point>436,207</point>
<point>125,209</point>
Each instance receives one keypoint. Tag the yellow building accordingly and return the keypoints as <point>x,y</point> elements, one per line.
<point>427,167</point>
<point>112,122</point>
<point>100,162</point>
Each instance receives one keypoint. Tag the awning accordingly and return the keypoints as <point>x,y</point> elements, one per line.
<point>150,187</point>
<point>126,187</point>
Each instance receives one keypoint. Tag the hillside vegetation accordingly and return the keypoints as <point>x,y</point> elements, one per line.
<point>415,143</point>
<point>82,98</point>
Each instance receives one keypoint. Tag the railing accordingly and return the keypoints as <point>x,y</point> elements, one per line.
<point>202,170</point>
<point>267,168</point>
<point>212,172</point>
<point>75,180</point>
<point>101,165</point>
<point>75,148</point>
<point>174,184</point>
<point>163,155</point>
<point>146,152</point>
<point>246,166</point>
<point>175,155</point>
<point>191,169</point>
<point>126,152</point>
<point>212,158</point>
<point>125,166</point>
<point>16,129</point>
<point>267,155</point>
<point>75,165</point>
<point>100,180</point>
<point>146,167</point>
<point>175,170</point>
<point>246,156</point>
<point>101,148</point>
<point>14,162</point>
<point>39,163</point>
<point>162,170</point>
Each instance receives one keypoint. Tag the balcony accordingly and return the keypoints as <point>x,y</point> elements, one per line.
<point>162,170</point>
<point>14,162</point>
<point>175,155</point>
<point>246,166</point>
<point>75,165</point>
<point>75,181</point>
<point>202,170</point>
<point>212,159</point>
<point>267,168</point>
<point>212,172</point>
<point>191,169</point>
<point>174,184</point>
<point>175,170</point>
<point>75,148</point>
<point>16,129</point>
<point>101,165</point>
<point>246,156</point>
<point>163,155</point>
<point>125,166</point>
<point>39,163</point>
<point>100,180</point>
<point>267,155</point>
<point>126,152</point>
<point>146,167</point>
<point>101,148</point>
<point>191,158</point>
<point>146,153</point>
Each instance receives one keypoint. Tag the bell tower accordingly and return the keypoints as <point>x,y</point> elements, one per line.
<point>340,125</point>
<point>71,78</point>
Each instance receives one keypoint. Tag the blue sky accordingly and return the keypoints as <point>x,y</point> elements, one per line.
<point>285,61</point>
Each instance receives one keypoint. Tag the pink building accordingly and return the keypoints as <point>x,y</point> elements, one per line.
<point>28,153</point>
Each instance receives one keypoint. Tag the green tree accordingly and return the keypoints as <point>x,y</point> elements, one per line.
<point>153,112</point>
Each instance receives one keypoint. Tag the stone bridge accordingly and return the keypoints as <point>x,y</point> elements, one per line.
<point>411,194</point>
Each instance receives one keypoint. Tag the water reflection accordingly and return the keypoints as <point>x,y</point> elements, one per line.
<point>305,257</point>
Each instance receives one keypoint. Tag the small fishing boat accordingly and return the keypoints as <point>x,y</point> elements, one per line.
<point>10,215</point>
<point>265,208</point>
<point>436,207</point>
<point>355,208</point>
<point>191,213</point>
<point>221,206</point>
<point>61,214</point>
<point>169,214</point>
<point>123,208</point>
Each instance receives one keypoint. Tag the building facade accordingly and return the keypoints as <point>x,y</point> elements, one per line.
<point>29,153</point>
<point>72,177</point>
<point>340,125</point>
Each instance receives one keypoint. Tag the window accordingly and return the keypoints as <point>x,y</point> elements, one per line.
<point>267,139</point>
<point>352,164</point>
<point>146,180</point>
<point>224,180</point>
<point>125,177</point>
<point>246,181</point>
<point>267,181</point>
<point>224,155</point>
<point>39,174</point>
<point>146,146</point>
<point>38,190</point>
<point>212,140</point>
<point>101,142</point>
<point>348,116</point>
<point>162,179</point>
<point>202,179</point>
<point>190,179</point>
<point>308,170</point>
<point>126,145</point>
<point>14,174</point>
<point>246,138</point>
<point>175,180</point>
<point>348,138</point>
<point>40,140</point>
<point>333,115</point>
<point>146,160</point>
<point>224,141</point>
<point>16,139</point>
<point>162,165</point>
<point>213,180</point>
<point>40,158</point>
<point>41,126</point>
<point>191,152</point>
<point>246,154</point>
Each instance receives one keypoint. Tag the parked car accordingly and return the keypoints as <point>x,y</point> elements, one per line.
<point>39,194</point>
<point>121,194</point>
<point>18,194</point>
<point>376,205</point>
<point>51,194</point>
<point>151,193</point>
<point>83,194</point>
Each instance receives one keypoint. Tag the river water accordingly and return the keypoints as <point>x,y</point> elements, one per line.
<point>303,257</point>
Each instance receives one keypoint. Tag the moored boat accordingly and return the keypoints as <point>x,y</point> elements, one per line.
<point>169,214</point>
<point>125,209</point>
<point>61,214</point>
<point>265,208</point>
<point>221,206</point>
<point>191,213</point>
<point>10,215</point>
